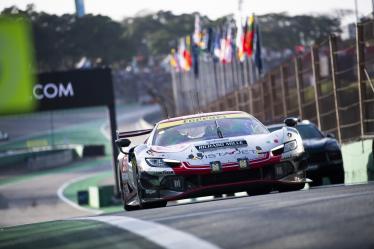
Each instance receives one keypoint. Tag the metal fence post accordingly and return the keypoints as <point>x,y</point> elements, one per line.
<point>175,92</point>
<point>271,83</point>
<point>316,76</point>
<point>360,75</point>
<point>283,89</point>
<point>262,82</point>
<point>237,98</point>
<point>332,45</point>
<point>298,85</point>
<point>250,99</point>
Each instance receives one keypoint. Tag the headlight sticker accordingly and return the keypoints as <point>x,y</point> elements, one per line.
<point>289,146</point>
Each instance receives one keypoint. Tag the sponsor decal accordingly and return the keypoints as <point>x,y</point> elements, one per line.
<point>276,141</point>
<point>163,172</point>
<point>53,90</point>
<point>198,156</point>
<point>237,152</point>
<point>212,146</point>
<point>150,152</point>
<point>258,148</point>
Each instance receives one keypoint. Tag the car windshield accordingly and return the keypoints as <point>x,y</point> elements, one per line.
<point>308,131</point>
<point>274,128</point>
<point>206,130</point>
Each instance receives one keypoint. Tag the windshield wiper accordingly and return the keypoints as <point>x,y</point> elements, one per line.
<point>219,132</point>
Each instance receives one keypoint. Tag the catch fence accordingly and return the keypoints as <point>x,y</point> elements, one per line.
<point>331,85</point>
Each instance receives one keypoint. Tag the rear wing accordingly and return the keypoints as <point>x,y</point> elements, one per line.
<point>127,134</point>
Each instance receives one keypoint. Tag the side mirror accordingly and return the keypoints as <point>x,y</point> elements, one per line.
<point>292,122</point>
<point>122,142</point>
<point>330,135</point>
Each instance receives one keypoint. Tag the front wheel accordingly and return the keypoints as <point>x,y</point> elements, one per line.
<point>123,193</point>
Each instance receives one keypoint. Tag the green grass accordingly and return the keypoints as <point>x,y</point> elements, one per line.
<point>96,180</point>
<point>70,235</point>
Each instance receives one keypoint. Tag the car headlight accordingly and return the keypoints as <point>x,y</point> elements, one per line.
<point>160,162</point>
<point>289,146</point>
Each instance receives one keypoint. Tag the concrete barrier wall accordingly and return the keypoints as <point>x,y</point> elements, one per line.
<point>358,161</point>
<point>51,160</point>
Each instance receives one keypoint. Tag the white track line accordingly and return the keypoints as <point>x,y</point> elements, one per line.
<point>159,234</point>
<point>61,196</point>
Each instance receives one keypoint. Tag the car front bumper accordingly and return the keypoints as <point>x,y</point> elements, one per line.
<point>190,183</point>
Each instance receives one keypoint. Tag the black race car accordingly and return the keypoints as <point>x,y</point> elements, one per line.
<point>323,150</point>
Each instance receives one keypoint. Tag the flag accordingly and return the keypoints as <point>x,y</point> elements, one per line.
<point>249,32</point>
<point>197,35</point>
<point>210,41</point>
<point>217,46</point>
<point>258,57</point>
<point>174,61</point>
<point>184,57</point>
<point>239,39</point>
<point>187,55</point>
<point>226,46</point>
<point>204,40</point>
<point>181,48</point>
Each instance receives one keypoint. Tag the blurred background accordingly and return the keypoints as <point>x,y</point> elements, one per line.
<point>170,58</point>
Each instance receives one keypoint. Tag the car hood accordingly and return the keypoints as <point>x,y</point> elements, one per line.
<point>226,150</point>
<point>315,144</point>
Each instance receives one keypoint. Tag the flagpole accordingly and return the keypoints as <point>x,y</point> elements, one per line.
<point>356,10</point>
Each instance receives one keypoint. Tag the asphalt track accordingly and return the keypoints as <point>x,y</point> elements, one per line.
<point>325,217</point>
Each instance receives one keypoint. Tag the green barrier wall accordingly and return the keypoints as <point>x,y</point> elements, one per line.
<point>358,161</point>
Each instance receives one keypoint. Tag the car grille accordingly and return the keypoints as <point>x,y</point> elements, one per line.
<point>317,157</point>
<point>270,172</point>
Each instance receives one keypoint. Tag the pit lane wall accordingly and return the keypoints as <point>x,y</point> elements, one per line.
<point>358,161</point>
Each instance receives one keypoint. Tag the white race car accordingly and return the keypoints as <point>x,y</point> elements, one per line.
<point>208,154</point>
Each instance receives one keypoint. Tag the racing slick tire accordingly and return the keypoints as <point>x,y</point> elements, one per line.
<point>123,195</point>
<point>291,187</point>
